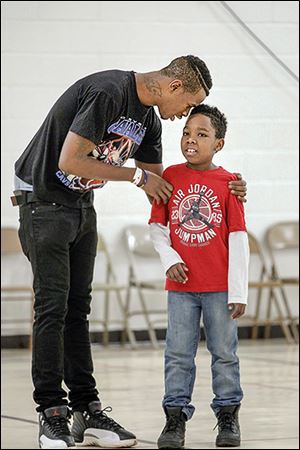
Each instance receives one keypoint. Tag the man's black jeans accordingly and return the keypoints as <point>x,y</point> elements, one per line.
<point>60,244</point>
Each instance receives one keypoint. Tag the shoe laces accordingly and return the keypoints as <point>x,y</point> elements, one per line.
<point>59,424</point>
<point>173,423</point>
<point>105,420</point>
<point>226,421</point>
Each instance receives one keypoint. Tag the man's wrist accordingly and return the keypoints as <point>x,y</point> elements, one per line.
<point>144,179</point>
<point>140,177</point>
<point>137,176</point>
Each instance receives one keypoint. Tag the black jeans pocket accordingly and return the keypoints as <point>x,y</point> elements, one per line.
<point>44,207</point>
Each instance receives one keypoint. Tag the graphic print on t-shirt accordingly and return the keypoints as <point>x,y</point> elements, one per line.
<point>195,215</point>
<point>114,151</point>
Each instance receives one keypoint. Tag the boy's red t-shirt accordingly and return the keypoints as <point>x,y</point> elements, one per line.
<point>201,213</point>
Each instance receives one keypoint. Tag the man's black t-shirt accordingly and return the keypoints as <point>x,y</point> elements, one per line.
<point>104,108</point>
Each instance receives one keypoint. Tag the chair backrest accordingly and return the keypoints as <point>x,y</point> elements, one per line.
<point>16,285</point>
<point>282,241</point>
<point>254,245</point>
<point>15,267</point>
<point>101,246</point>
<point>283,235</point>
<point>256,249</point>
<point>10,242</point>
<point>259,273</point>
<point>139,241</point>
<point>144,261</point>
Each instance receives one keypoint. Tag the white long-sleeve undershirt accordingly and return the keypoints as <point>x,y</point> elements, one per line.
<point>238,259</point>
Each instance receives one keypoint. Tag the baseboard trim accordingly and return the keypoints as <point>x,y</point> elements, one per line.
<point>22,341</point>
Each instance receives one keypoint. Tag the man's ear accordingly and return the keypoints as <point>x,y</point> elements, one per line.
<point>174,85</point>
<point>220,145</point>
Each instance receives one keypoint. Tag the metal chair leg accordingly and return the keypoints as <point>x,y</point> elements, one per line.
<point>283,322</point>
<point>292,321</point>
<point>254,333</point>
<point>267,331</point>
<point>126,329</point>
<point>105,339</point>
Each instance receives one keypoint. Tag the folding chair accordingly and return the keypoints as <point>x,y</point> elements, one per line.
<point>265,281</point>
<point>13,267</point>
<point>110,285</point>
<point>283,245</point>
<point>143,263</point>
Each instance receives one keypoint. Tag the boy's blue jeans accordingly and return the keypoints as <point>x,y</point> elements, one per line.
<point>183,335</point>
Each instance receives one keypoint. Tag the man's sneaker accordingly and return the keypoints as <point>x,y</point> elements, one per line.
<point>54,430</point>
<point>173,434</point>
<point>228,427</point>
<point>94,427</point>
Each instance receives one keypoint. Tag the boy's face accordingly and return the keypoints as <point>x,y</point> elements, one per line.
<point>176,102</point>
<point>199,142</point>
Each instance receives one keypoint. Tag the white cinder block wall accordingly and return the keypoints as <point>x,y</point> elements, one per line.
<point>49,45</point>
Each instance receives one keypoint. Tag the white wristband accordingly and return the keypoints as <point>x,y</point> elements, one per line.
<point>138,174</point>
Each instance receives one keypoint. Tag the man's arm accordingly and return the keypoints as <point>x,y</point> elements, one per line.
<point>237,187</point>
<point>74,159</point>
<point>154,168</point>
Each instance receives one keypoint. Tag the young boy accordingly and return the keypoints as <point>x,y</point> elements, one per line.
<point>205,256</point>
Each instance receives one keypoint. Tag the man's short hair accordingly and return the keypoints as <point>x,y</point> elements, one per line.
<point>217,118</point>
<point>192,71</point>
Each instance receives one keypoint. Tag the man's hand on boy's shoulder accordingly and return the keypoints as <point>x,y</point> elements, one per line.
<point>177,272</point>
<point>239,187</point>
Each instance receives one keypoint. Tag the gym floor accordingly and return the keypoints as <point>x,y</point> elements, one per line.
<point>131,382</point>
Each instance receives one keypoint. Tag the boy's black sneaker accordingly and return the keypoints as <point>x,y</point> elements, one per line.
<point>228,426</point>
<point>94,427</point>
<point>173,434</point>
<point>54,430</point>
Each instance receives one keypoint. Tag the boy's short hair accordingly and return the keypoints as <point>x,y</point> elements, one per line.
<point>217,118</point>
<point>192,71</point>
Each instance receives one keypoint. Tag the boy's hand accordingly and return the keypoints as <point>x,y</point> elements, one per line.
<point>238,309</point>
<point>238,187</point>
<point>177,272</point>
